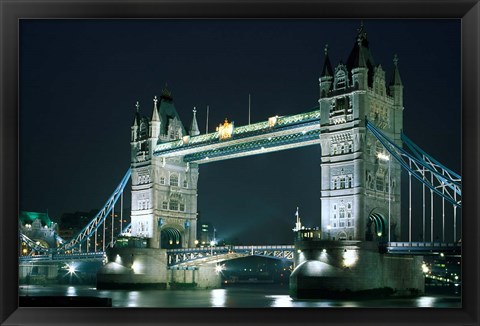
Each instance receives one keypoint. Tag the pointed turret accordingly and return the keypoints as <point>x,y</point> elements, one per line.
<point>326,76</point>
<point>327,66</point>
<point>194,131</point>
<point>396,85</point>
<point>360,56</point>
<point>155,116</point>
<point>136,122</point>
<point>171,126</point>
<point>155,122</point>
<point>396,80</point>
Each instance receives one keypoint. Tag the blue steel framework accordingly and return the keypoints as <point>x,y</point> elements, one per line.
<point>291,130</point>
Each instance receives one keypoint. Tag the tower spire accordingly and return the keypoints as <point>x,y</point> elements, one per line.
<point>396,80</point>
<point>155,116</point>
<point>136,118</point>
<point>298,223</point>
<point>194,131</point>
<point>327,66</point>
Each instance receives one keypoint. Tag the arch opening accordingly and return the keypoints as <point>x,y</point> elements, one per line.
<point>377,220</point>
<point>170,238</point>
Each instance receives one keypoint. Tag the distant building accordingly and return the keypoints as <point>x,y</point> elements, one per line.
<point>205,233</point>
<point>39,228</point>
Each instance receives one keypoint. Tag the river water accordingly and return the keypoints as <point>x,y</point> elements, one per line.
<point>245,296</point>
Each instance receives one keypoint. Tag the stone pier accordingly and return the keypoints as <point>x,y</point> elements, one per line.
<point>339,269</point>
<point>140,268</point>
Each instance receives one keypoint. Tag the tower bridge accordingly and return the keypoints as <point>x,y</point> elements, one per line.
<point>358,125</point>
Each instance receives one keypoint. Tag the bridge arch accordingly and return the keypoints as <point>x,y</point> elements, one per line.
<point>377,221</point>
<point>171,236</point>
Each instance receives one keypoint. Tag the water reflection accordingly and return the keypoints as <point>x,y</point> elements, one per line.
<point>133,299</point>
<point>280,300</point>
<point>71,291</point>
<point>426,302</point>
<point>218,297</point>
<point>235,297</point>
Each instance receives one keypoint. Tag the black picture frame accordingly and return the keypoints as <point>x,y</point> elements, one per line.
<point>13,10</point>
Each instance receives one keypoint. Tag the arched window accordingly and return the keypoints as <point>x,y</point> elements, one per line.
<point>340,79</point>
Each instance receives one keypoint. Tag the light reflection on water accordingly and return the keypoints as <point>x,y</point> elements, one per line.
<point>239,297</point>
<point>218,297</point>
<point>71,291</point>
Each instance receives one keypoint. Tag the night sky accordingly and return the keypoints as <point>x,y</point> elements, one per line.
<point>80,79</point>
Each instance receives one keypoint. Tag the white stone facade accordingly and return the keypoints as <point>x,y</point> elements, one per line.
<point>355,172</point>
<point>164,191</point>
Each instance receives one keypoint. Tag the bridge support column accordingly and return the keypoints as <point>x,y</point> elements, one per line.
<point>346,269</point>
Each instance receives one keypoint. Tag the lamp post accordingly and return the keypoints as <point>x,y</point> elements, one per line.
<point>386,157</point>
<point>329,227</point>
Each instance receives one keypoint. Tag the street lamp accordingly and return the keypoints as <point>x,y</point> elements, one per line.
<point>329,227</point>
<point>386,157</point>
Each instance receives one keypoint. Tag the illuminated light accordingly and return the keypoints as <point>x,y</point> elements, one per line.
<point>350,257</point>
<point>272,121</point>
<point>269,138</point>
<point>219,268</point>
<point>196,242</point>
<point>225,130</point>
<point>425,268</point>
<point>456,277</point>
<point>304,132</point>
<point>135,267</point>
<point>71,269</point>
<point>441,254</point>
<point>263,148</point>
<point>24,250</point>
<point>324,251</point>
<point>37,243</point>
<point>177,242</point>
<point>383,157</point>
<point>329,227</point>
<point>299,251</point>
<point>379,234</point>
<point>212,243</point>
<point>171,242</point>
<point>206,158</point>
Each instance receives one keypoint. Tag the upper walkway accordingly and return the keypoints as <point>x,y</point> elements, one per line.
<point>277,133</point>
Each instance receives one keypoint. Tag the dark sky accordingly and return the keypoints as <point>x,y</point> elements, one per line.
<point>80,79</point>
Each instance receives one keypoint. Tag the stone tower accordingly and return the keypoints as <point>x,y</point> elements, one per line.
<point>164,191</point>
<point>360,182</point>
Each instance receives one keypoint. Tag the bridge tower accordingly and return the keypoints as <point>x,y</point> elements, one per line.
<point>164,191</point>
<point>360,186</point>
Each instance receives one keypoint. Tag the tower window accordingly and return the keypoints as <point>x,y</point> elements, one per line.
<point>174,205</point>
<point>165,205</point>
<point>174,180</point>
<point>162,180</point>
<point>185,184</point>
